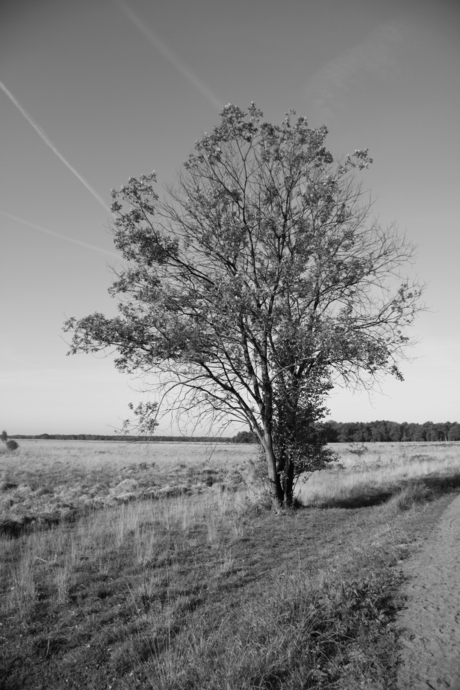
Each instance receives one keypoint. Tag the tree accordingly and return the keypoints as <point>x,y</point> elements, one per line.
<point>331,431</point>
<point>394,432</point>
<point>10,443</point>
<point>245,437</point>
<point>454,432</point>
<point>415,433</point>
<point>254,285</point>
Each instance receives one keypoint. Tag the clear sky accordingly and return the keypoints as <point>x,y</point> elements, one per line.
<point>93,92</point>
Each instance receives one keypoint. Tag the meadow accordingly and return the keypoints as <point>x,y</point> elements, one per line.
<point>163,566</point>
<point>61,479</point>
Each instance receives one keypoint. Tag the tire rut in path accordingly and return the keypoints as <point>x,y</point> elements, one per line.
<point>430,657</point>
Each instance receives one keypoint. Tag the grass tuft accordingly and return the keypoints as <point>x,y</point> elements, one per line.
<point>418,492</point>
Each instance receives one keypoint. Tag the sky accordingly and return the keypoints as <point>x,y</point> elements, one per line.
<point>92,93</point>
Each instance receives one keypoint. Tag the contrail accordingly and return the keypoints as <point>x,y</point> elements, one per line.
<point>53,148</point>
<point>57,234</point>
<point>169,55</point>
<point>373,56</point>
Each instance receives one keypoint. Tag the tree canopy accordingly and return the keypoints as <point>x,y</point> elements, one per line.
<point>255,284</point>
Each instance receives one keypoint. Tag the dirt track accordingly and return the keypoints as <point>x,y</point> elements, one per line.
<point>431,641</point>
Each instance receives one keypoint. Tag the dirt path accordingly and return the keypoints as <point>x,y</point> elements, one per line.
<point>431,643</point>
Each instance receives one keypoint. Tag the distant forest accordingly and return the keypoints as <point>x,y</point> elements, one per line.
<point>130,438</point>
<point>335,432</point>
<point>368,432</point>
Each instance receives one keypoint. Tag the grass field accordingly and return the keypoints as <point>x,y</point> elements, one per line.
<point>183,578</point>
<point>367,474</point>
<point>64,477</point>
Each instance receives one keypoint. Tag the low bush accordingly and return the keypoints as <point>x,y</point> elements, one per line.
<point>11,444</point>
<point>418,492</point>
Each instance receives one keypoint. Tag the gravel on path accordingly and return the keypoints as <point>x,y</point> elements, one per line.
<point>431,620</point>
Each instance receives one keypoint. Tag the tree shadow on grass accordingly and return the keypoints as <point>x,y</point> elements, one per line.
<point>442,483</point>
<point>363,500</point>
<point>428,487</point>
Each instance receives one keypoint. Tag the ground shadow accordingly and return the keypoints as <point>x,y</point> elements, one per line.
<point>442,484</point>
<point>365,500</point>
<point>436,484</point>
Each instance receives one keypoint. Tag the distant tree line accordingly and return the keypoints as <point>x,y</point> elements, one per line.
<point>378,431</point>
<point>334,432</point>
<point>131,438</point>
<point>385,431</point>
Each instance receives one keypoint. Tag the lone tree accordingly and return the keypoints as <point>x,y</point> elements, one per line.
<point>255,284</point>
<point>10,443</point>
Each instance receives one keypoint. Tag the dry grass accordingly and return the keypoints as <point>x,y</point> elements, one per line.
<point>69,478</point>
<point>209,590</point>
<point>197,592</point>
<point>65,478</point>
<point>381,471</point>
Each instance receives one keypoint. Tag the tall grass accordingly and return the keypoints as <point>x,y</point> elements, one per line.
<point>214,591</point>
<point>372,479</point>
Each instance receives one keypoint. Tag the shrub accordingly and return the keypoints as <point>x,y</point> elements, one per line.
<point>11,444</point>
<point>416,493</point>
<point>245,437</point>
<point>358,450</point>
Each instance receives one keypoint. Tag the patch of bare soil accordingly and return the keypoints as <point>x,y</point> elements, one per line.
<point>431,619</point>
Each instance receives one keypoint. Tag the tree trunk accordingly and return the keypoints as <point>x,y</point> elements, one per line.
<point>288,484</point>
<point>285,441</point>
<point>273,475</point>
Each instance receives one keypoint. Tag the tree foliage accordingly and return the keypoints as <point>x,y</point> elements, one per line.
<point>257,282</point>
<point>383,431</point>
<point>245,437</point>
